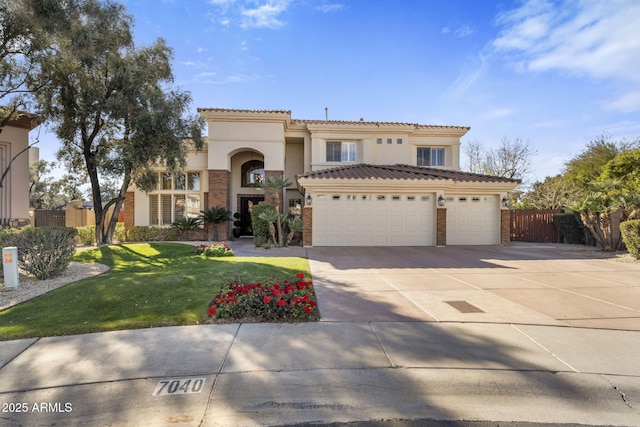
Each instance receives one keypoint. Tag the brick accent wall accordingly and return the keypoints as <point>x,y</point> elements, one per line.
<point>505,226</point>
<point>129,209</point>
<point>220,195</point>
<point>307,224</point>
<point>441,226</point>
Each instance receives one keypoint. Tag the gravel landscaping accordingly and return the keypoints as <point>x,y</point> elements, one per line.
<point>30,287</point>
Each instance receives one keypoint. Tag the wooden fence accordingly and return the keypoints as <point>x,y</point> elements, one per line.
<point>49,218</point>
<point>534,226</point>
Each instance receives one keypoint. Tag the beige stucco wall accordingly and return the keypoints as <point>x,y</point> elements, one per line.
<point>229,138</point>
<point>369,151</point>
<point>16,186</point>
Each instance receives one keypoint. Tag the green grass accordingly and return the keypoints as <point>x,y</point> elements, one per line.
<point>155,284</point>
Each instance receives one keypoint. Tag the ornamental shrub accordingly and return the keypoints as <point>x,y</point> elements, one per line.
<point>570,226</point>
<point>218,249</point>
<point>86,235</point>
<point>631,235</point>
<point>44,252</point>
<point>292,300</point>
<point>260,227</point>
<point>150,233</point>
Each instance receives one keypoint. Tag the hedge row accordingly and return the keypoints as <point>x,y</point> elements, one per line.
<point>631,235</point>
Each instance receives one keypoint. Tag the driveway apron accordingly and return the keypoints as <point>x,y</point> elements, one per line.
<point>536,285</point>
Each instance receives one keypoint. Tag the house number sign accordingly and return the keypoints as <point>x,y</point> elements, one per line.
<point>179,386</point>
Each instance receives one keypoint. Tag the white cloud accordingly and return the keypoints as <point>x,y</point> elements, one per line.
<point>467,77</point>
<point>463,31</point>
<point>265,15</point>
<point>330,7</point>
<point>594,39</point>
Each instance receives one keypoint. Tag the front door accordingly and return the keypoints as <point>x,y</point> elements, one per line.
<point>245,214</point>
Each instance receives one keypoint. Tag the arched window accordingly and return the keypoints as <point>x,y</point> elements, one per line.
<point>253,173</point>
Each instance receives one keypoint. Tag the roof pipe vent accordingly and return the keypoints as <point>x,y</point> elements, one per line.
<point>326,114</point>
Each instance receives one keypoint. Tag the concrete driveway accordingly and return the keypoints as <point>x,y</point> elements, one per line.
<point>520,284</point>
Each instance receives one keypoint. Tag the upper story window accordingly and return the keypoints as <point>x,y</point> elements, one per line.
<point>341,151</point>
<point>252,173</point>
<point>430,156</point>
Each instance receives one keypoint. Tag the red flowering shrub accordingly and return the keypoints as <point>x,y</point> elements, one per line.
<point>272,301</point>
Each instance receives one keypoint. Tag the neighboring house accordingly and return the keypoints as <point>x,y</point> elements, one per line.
<point>355,183</point>
<point>14,190</point>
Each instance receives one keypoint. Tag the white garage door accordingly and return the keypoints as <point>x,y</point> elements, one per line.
<point>473,220</point>
<point>341,219</point>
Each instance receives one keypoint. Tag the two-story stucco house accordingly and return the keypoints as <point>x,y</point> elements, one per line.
<point>14,190</point>
<point>355,183</point>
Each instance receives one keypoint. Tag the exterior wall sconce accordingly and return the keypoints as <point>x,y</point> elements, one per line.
<point>441,201</point>
<point>505,202</point>
<point>308,200</point>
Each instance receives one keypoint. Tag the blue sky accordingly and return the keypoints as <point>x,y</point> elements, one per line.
<point>555,73</point>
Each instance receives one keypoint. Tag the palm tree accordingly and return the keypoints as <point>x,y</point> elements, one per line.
<point>274,184</point>
<point>270,217</point>
<point>214,216</point>
<point>295,226</point>
<point>184,225</point>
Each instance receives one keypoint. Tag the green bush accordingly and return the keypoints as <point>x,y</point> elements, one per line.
<point>631,235</point>
<point>218,249</point>
<point>44,252</point>
<point>260,227</point>
<point>86,235</point>
<point>570,226</point>
<point>120,233</point>
<point>150,233</point>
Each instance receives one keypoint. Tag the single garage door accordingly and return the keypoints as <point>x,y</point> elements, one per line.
<point>473,220</point>
<point>347,219</point>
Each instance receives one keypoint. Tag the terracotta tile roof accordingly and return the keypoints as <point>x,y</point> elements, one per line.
<point>333,122</point>
<point>365,123</point>
<point>236,110</point>
<point>400,172</point>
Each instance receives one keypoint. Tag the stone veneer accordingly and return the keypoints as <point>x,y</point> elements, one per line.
<point>307,226</point>
<point>505,226</point>
<point>220,195</point>
<point>129,209</point>
<point>441,226</point>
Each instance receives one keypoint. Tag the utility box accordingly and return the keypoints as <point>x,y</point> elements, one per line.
<point>10,266</point>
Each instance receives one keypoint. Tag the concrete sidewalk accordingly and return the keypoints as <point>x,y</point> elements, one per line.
<point>326,372</point>
<point>391,349</point>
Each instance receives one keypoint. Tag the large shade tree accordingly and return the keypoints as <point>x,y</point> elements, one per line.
<point>113,105</point>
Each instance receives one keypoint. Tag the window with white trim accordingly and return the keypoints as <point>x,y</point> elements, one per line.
<point>177,197</point>
<point>341,151</point>
<point>430,156</point>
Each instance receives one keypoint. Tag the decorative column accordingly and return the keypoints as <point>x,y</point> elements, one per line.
<point>505,226</point>
<point>307,226</point>
<point>129,210</point>
<point>220,195</point>
<point>441,227</point>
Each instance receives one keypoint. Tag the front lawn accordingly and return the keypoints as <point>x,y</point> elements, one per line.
<point>155,284</point>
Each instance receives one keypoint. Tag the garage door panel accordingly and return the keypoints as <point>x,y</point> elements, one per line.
<point>343,219</point>
<point>473,220</point>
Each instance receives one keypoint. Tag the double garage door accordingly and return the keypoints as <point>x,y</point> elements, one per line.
<point>351,219</point>
<point>341,219</point>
